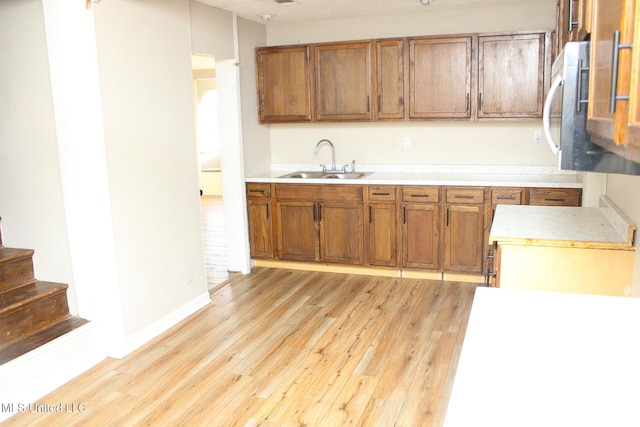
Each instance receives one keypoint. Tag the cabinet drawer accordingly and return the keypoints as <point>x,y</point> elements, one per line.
<point>555,196</point>
<point>258,189</point>
<point>315,192</point>
<point>506,196</point>
<point>381,193</point>
<point>421,194</point>
<point>465,196</point>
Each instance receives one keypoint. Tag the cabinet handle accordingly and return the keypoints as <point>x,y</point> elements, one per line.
<point>467,104</point>
<point>571,24</point>
<point>370,214</point>
<point>459,196</point>
<point>480,96</point>
<point>319,212</point>
<point>506,198</point>
<point>380,194</point>
<point>379,103</point>
<point>420,195</point>
<point>554,199</point>
<point>447,217</point>
<point>267,206</point>
<point>614,71</point>
<point>404,214</point>
<point>368,104</point>
<point>258,191</point>
<point>315,215</point>
<point>579,100</point>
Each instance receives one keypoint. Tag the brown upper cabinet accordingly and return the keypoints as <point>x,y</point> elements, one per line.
<point>344,81</point>
<point>390,72</point>
<point>463,77</point>
<point>440,77</point>
<point>614,85</point>
<point>573,21</point>
<point>511,75</point>
<point>284,84</point>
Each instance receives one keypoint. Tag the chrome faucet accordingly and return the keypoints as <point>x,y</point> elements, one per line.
<point>333,154</point>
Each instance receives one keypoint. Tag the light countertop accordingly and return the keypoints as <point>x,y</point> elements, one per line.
<point>598,227</point>
<point>533,358</point>
<point>484,176</point>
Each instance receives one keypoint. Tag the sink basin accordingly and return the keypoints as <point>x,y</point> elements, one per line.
<point>345,175</point>
<point>303,175</point>
<point>325,175</point>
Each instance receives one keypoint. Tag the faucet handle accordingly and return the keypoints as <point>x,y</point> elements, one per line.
<point>324,168</point>
<point>353,166</point>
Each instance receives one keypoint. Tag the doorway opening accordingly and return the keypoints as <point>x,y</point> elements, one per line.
<point>210,170</point>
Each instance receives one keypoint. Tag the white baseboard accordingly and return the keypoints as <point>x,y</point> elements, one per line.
<point>142,337</point>
<point>32,376</point>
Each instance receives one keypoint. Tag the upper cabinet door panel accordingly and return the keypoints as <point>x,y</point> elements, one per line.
<point>284,84</point>
<point>390,72</point>
<point>607,17</point>
<point>344,81</point>
<point>511,75</point>
<point>440,77</point>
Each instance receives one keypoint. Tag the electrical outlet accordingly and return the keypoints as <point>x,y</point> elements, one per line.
<point>537,136</point>
<point>406,143</point>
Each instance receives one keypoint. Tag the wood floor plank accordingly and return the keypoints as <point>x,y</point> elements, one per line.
<point>286,348</point>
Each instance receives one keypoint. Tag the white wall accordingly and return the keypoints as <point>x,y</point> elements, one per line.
<point>439,142</point>
<point>31,197</point>
<point>144,57</point>
<point>623,190</point>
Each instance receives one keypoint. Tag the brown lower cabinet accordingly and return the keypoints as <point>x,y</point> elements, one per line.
<point>320,223</point>
<point>433,228</point>
<point>464,229</point>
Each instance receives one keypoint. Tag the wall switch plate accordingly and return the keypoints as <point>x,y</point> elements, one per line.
<point>406,143</point>
<point>537,136</point>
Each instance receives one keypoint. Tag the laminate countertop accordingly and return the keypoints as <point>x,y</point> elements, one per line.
<point>482,176</point>
<point>532,359</point>
<point>596,227</point>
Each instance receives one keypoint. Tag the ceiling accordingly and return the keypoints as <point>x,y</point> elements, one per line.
<point>310,10</point>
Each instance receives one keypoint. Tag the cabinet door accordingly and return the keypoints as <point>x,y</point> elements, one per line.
<point>390,72</point>
<point>633,129</point>
<point>298,231</point>
<point>511,75</point>
<point>463,238</point>
<point>606,20</point>
<point>440,77</point>
<point>260,228</point>
<point>284,84</point>
<point>381,235</point>
<point>344,81</point>
<point>421,236</point>
<point>341,238</point>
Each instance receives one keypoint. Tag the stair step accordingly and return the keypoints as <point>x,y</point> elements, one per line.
<point>39,338</point>
<point>31,307</point>
<point>16,267</point>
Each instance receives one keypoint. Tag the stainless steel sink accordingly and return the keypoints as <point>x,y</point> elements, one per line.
<point>304,175</point>
<point>345,175</point>
<point>325,175</point>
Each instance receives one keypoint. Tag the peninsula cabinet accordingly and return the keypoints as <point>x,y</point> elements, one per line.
<point>421,227</point>
<point>260,212</point>
<point>464,229</point>
<point>614,85</point>
<point>390,72</point>
<point>511,75</point>
<point>284,84</point>
<point>320,223</point>
<point>381,226</point>
<point>343,81</point>
<point>440,77</point>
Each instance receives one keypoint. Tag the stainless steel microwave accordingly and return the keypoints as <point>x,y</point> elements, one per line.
<point>565,117</point>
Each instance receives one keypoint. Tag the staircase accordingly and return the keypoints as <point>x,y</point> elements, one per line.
<point>32,312</point>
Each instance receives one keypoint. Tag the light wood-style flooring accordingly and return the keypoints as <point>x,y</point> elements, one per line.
<point>285,348</point>
<point>215,242</point>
